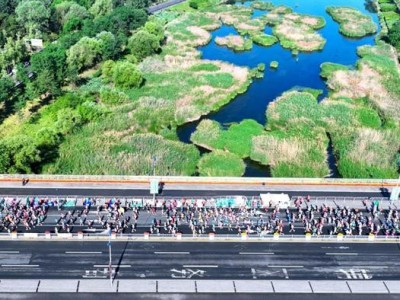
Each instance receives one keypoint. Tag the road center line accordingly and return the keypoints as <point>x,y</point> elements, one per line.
<point>256,253</point>
<point>22,266</point>
<point>160,252</point>
<point>9,252</point>
<point>83,252</point>
<point>341,253</point>
<point>113,266</point>
<point>200,266</point>
<point>286,266</point>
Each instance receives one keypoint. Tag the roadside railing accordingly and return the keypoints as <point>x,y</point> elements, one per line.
<point>197,180</point>
<point>79,236</point>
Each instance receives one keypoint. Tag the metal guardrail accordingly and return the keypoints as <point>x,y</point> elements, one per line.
<point>188,179</point>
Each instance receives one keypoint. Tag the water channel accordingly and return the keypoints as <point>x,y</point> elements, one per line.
<point>293,72</point>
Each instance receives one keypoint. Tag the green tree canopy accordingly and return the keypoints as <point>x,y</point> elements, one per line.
<point>394,35</point>
<point>68,10</point>
<point>33,15</point>
<point>6,88</point>
<point>84,53</point>
<point>101,8</point>
<point>126,75</point>
<point>143,44</point>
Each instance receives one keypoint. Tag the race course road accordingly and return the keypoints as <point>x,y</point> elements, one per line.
<point>199,260</point>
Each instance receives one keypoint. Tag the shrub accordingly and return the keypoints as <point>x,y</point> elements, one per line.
<point>274,64</point>
<point>126,75</point>
<point>143,44</point>
<point>193,4</point>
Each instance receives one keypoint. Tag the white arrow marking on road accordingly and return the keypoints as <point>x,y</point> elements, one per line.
<point>286,273</point>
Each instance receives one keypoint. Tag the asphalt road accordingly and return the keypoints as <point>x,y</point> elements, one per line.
<point>169,192</point>
<point>180,260</point>
<point>162,6</point>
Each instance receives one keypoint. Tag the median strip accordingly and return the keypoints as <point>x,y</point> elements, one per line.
<point>200,266</point>
<point>286,266</point>
<point>112,266</point>
<point>82,252</point>
<point>9,252</point>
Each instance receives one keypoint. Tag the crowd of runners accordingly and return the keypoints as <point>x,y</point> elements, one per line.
<point>173,216</point>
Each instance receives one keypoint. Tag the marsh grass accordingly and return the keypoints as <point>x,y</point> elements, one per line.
<point>352,22</point>
<point>221,163</point>
<point>236,139</point>
<point>328,68</point>
<point>235,42</point>
<point>263,39</point>
<point>261,5</point>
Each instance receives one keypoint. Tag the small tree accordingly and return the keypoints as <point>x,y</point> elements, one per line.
<point>193,4</point>
<point>33,15</point>
<point>84,53</point>
<point>126,75</point>
<point>143,44</point>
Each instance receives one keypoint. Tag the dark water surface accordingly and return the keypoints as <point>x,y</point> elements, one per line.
<point>293,71</point>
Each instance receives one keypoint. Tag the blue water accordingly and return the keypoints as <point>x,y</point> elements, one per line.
<point>293,71</point>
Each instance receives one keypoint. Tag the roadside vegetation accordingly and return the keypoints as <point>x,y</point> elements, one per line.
<point>352,22</point>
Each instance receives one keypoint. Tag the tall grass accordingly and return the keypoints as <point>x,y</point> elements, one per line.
<point>221,163</point>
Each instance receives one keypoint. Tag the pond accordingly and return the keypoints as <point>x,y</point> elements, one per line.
<point>293,71</point>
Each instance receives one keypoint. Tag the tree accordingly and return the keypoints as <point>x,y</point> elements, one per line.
<point>109,47</point>
<point>126,75</point>
<point>394,35</point>
<point>143,44</point>
<point>50,68</point>
<point>5,158</point>
<point>33,15</point>
<point>101,8</point>
<point>22,152</point>
<point>193,4</point>
<point>6,88</point>
<point>155,28</point>
<point>69,10</point>
<point>67,120</point>
<point>13,52</point>
<point>121,20</point>
<point>84,53</point>
<point>135,3</point>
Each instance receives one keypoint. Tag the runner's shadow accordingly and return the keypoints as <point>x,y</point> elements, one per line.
<point>120,260</point>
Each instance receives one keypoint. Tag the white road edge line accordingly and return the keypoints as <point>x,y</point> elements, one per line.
<point>200,266</point>
<point>82,252</point>
<point>331,253</point>
<point>9,252</point>
<point>113,266</point>
<point>286,266</point>
<point>256,253</point>
<point>30,266</point>
<point>158,252</point>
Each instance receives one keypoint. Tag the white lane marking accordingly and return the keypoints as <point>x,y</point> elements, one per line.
<point>286,266</point>
<point>9,252</point>
<point>256,253</point>
<point>83,252</point>
<point>21,266</point>
<point>159,252</point>
<point>331,253</point>
<point>113,266</point>
<point>200,266</point>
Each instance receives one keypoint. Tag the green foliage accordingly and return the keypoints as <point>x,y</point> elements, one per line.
<point>368,117</point>
<point>112,96</point>
<point>33,15</point>
<point>84,53</point>
<point>237,139</point>
<point>328,68</point>
<point>352,22</point>
<point>394,35</point>
<point>101,7</point>
<point>6,88</point>
<point>262,5</point>
<point>209,67</point>
<point>263,39</point>
<point>143,44</point>
<point>220,163</point>
<point>274,64</point>
<point>70,10</point>
<point>193,4</point>
<point>67,120</point>
<point>126,75</point>
<point>388,7</point>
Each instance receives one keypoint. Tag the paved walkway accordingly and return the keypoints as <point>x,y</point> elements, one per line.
<point>199,286</point>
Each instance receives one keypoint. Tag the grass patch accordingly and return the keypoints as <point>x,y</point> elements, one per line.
<point>235,42</point>
<point>237,139</point>
<point>261,5</point>
<point>328,68</point>
<point>274,64</point>
<point>263,39</point>
<point>221,163</point>
<point>352,22</point>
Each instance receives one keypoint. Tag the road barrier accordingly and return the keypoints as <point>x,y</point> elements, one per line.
<point>109,179</point>
<point>201,238</point>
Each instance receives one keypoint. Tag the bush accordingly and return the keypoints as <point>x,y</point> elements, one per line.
<point>112,96</point>
<point>193,4</point>
<point>143,44</point>
<point>126,75</point>
<point>220,163</point>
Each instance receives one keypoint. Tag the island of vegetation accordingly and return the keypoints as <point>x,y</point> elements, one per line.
<point>235,42</point>
<point>352,22</point>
